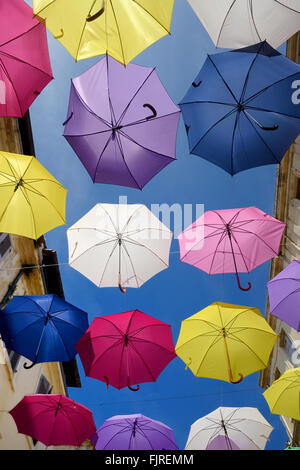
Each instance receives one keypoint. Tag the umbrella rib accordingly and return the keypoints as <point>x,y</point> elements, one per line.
<point>131,263</point>
<point>218,338</point>
<point>20,35</point>
<point>62,340</point>
<point>108,260</point>
<point>249,72</point>
<point>256,235</point>
<point>282,300</point>
<point>250,4</point>
<point>110,240</point>
<point>234,338</point>
<point>267,87</point>
<point>223,79</point>
<point>142,340</point>
<point>230,427</point>
<point>109,140</point>
<point>12,84</point>
<point>144,120</point>
<point>232,141</point>
<point>286,6</point>
<point>129,218</point>
<point>224,21</point>
<point>213,234</point>
<point>134,242</point>
<point>142,359</point>
<point>135,332</point>
<point>38,193</point>
<point>142,433</point>
<point>222,237</point>
<point>6,54</point>
<point>72,425</point>
<point>185,103</point>
<point>142,146</point>
<point>119,33</point>
<point>86,106</point>
<point>156,20</point>
<point>242,255</point>
<point>118,139</point>
<point>31,210</point>
<point>83,30</point>
<point>255,108</point>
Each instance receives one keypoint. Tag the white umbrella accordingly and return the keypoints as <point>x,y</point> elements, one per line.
<point>240,23</point>
<point>230,429</point>
<point>119,245</point>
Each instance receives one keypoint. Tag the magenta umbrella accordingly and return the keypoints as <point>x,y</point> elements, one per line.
<point>231,241</point>
<point>24,58</point>
<point>125,349</point>
<point>53,419</point>
<point>121,123</point>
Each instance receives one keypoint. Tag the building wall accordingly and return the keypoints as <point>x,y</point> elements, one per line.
<point>15,265</point>
<point>286,353</point>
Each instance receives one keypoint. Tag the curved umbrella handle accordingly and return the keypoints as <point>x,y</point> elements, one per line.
<point>122,289</point>
<point>195,85</point>
<point>265,128</point>
<point>59,35</point>
<point>106,381</point>
<point>239,284</point>
<point>28,367</point>
<point>235,381</point>
<point>90,18</point>
<point>134,389</point>
<point>154,113</point>
<point>68,119</point>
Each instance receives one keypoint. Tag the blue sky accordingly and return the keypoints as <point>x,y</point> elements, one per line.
<point>177,398</point>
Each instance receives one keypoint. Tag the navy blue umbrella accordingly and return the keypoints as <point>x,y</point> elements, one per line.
<point>42,328</point>
<point>241,111</point>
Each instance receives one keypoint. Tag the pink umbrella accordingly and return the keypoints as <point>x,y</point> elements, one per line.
<point>53,419</point>
<point>24,58</point>
<point>126,348</point>
<point>231,240</point>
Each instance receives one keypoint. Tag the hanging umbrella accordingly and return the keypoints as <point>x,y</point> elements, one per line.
<point>231,241</point>
<point>133,432</point>
<point>43,328</point>
<point>25,67</point>
<point>122,29</point>
<point>283,396</point>
<point>125,349</point>
<point>53,420</point>
<point>119,245</point>
<point>234,428</point>
<point>239,112</point>
<point>239,23</point>
<point>225,342</point>
<point>284,295</point>
<point>32,201</point>
<point>121,123</point>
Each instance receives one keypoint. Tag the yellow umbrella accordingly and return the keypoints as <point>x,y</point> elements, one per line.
<point>32,202</point>
<point>120,28</point>
<point>283,396</point>
<point>225,342</point>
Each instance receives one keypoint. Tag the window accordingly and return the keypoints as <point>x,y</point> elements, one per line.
<point>290,348</point>
<point>14,359</point>
<point>5,244</point>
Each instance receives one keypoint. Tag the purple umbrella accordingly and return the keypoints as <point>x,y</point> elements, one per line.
<point>284,295</point>
<point>121,123</point>
<point>133,432</point>
<point>222,443</point>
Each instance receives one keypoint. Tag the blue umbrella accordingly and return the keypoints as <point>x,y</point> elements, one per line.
<point>42,328</point>
<point>241,111</point>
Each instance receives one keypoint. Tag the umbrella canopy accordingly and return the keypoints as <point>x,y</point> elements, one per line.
<point>231,241</point>
<point>233,428</point>
<point>133,432</point>
<point>32,201</point>
<point>121,123</point>
<point>284,295</point>
<point>126,348</point>
<point>119,245</point>
<point>225,342</point>
<point>53,420</point>
<point>122,29</point>
<point>283,396</point>
<point>43,328</point>
<point>239,112</point>
<point>239,23</point>
<point>25,67</point>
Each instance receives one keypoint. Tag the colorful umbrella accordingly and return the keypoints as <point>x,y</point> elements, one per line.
<point>284,295</point>
<point>119,245</point>
<point>225,342</point>
<point>53,420</point>
<point>122,29</point>
<point>230,429</point>
<point>239,112</point>
<point>25,67</point>
<point>32,201</point>
<point>231,241</point>
<point>283,396</point>
<point>121,123</point>
<point>125,349</point>
<point>43,328</point>
<point>133,432</point>
<point>239,23</point>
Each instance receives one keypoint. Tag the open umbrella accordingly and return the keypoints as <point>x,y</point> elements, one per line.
<point>239,23</point>
<point>133,432</point>
<point>32,201</point>
<point>122,29</point>
<point>225,342</point>
<point>283,395</point>
<point>25,67</point>
<point>53,420</point>
<point>121,123</point>
<point>119,245</point>
<point>43,328</point>
<point>239,112</point>
<point>230,429</point>
<point>284,295</point>
<point>231,241</point>
<point>125,349</point>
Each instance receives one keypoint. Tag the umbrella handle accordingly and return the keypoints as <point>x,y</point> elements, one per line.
<point>134,389</point>
<point>95,16</point>
<point>67,120</point>
<point>195,85</point>
<point>239,284</point>
<point>154,113</point>
<point>59,35</point>
<point>122,289</point>
<point>106,381</point>
<point>28,367</point>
